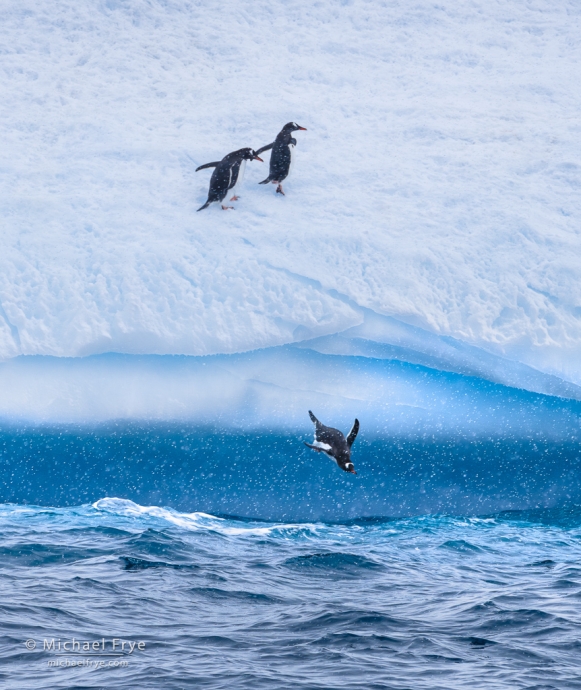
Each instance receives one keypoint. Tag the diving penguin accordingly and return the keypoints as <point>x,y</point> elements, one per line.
<point>282,155</point>
<point>332,442</point>
<point>227,175</point>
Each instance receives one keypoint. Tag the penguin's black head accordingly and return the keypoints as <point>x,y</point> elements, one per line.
<point>344,461</point>
<point>250,155</point>
<point>292,127</point>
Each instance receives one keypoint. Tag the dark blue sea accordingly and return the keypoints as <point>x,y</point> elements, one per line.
<point>173,557</point>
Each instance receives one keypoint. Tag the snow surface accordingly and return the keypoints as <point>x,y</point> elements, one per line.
<point>435,193</point>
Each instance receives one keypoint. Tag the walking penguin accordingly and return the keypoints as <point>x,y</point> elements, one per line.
<point>281,157</point>
<point>227,175</point>
<point>332,442</point>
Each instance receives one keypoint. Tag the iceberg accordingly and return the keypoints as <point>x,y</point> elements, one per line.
<point>422,272</point>
<point>437,184</point>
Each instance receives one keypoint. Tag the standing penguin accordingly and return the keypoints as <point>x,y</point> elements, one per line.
<point>332,442</point>
<point>282,155</point>
<point>227,175</point>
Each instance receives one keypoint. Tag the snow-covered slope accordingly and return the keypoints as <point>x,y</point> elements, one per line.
<point>437,184</point>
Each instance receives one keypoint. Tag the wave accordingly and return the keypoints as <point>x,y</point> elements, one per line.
<point>435,591</point>
<point>131,563</point>
<point>339,564</point>
<point>461,546</point>
<point>197,521</point>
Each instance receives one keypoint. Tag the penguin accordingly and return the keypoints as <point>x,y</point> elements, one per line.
<point>227,175</point>
<point>282,155</point>
<point>332,442</point>
<point>238,170</point>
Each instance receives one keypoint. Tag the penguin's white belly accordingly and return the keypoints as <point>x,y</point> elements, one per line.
<point>323,446</point>
<point>238,184</point>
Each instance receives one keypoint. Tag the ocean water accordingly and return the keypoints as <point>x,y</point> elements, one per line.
<point>271,475</point>
<point>422,602</point>
<point>261,565</point>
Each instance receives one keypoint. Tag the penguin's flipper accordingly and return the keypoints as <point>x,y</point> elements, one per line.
<point>265,148</point>
<point>209,165</point>
<point>313,418</point>
<point>205,205</point>
<point>353,433</point>
<point>319,450</point>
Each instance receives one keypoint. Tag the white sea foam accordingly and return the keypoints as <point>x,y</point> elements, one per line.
<point>197,521</point>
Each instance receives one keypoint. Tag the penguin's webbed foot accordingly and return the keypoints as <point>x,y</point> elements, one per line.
<point>227,208</point>
<point>279,190</point>
<point>235,198</point>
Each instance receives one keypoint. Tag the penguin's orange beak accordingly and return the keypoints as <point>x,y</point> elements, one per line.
<point>256,158</point>
<point>303,128</point>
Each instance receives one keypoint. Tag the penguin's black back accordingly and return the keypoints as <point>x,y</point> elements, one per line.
<point>219,182</point>
<point>334,437</point>
<point>280,160</point>
<point>329,435</point>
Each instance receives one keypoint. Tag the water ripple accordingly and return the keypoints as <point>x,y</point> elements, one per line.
<point>430,603</point>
